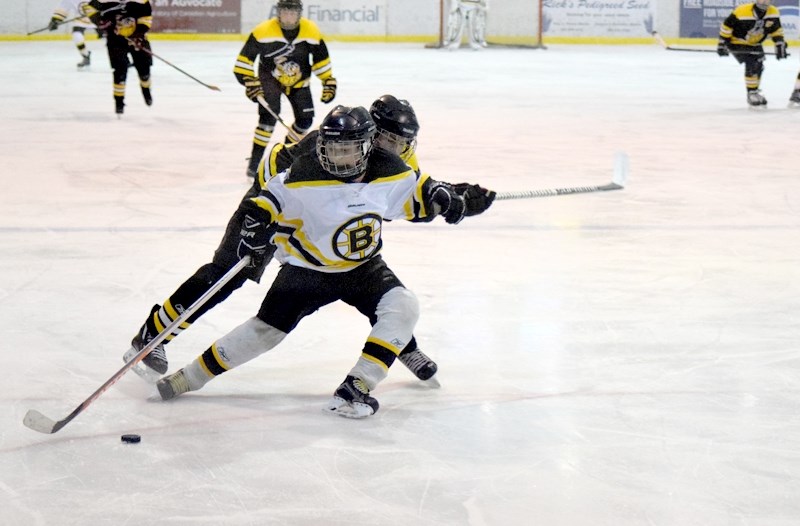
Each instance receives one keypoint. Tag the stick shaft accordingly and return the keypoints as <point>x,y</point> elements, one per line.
<point>170,64</point>
<point>289,130</point>
<point>532,194</point>
<point>38,422</point>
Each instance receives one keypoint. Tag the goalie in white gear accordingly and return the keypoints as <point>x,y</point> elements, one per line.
<point>469,15</point>
<point>325,214</point>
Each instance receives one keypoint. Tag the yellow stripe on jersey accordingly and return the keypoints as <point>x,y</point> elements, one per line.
<point>322,69</point>
<point>145,20</point>
<point>418,195</point>
<point>265,204</point>
<point>306,184</point>
<point>268,31</point>
<point>60,14</point>
<point>244,66</point>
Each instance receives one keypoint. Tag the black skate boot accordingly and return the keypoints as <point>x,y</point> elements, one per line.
<point>421,365</point>
<point>352,399</point>
<point>756,100</point>
<point>148,97</point>
<point>86,61</point>
<point>119,105</point>
<point>155,364</point>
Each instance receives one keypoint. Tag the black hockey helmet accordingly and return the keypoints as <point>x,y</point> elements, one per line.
<point>289,12</point>
<point>397,124</point>
<point>345,140</point>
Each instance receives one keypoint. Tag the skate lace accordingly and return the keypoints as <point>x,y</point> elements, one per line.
<point>179,383</point>
<point>415,360</point>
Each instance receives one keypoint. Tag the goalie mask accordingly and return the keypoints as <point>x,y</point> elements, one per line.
<point>397,125</point>
<point>289,13</point>
<point>344,141</point>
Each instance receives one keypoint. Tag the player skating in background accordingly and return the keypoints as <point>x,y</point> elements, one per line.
<point>397,129</point>
<point>469,15</point>
<point>68,9</point>
<point>794,99</point>
<point>288,48</point>
<point>741,35</point>
<point>325,216</point>
<point>125,24</point>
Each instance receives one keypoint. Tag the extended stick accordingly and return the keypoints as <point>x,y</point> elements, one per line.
<point>695,50</point>
<point>170,64</point>
<point>39,422</point>
<point>621,170</point>
<point>290,132</point>
<point>115,8</point>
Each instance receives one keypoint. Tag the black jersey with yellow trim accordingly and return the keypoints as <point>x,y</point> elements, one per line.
<point>288,56</point>
<point>744,26</point>
<point>105,13</point>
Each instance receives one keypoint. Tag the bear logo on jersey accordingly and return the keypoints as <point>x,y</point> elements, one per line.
<point>287,72</point>
<point>359,239</point>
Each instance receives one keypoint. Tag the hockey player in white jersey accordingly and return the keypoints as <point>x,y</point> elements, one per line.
<point>325,216</point>
<point>68,9</point>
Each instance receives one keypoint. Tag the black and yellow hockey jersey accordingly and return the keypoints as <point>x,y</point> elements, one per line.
<point>745,27</point>
<point>105,14</point>
<point>288,56</point>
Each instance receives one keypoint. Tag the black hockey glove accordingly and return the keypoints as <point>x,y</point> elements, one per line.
<point>450,205</point>
<point>476,198</point>
<point>722,47</point>
<point>780,50</point>
<point>137,41</point>
<point>253,240</point>
<point>253,89</point>
<point>328,90</point>
<point>53,24</point>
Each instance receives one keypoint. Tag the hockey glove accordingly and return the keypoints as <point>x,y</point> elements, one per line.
<point>53,24</point>
<point>328,90</point>
<point>125,27</point>
<point>450,205</point>
<point>253,89</point>
<point>780,50</point>
<point>476,198</point>
<point>137,41</point>
<point>253,240</point>
<point>722,47</point>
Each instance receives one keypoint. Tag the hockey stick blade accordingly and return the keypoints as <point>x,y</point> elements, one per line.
<point>620,178</point>
<point>38,422</point>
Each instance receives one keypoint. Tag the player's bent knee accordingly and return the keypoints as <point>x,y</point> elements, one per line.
<point>401,305</point>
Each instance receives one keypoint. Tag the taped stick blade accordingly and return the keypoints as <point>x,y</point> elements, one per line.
<point>621,169</point>
<point>38,422</point>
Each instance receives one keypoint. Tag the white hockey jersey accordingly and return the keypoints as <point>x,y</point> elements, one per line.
<point>326,224</point>
<point>69,9</point>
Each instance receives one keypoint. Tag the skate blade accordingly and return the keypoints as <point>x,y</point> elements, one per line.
<point>760,107</point>
<point>346,409</point>
<point>145,373</point>
<point>432,382</point>
<point>794,106</point>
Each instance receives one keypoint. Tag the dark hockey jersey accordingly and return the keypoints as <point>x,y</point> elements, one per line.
<point>106,14</point>
<point>745,27</point>
<point>289,57</point>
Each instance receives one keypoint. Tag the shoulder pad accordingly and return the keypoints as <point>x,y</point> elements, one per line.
<point>309,31</point>
<point>268,30</point>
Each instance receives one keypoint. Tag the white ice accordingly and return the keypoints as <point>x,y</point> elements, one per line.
<point>619,358</point>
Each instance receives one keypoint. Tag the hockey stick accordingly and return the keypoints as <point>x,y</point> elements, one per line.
<point>290,132</point>
<point>696,50</point>
<point>67,21</point>
<point>39,422</point>
<point>620,178</point>
<point>170,64</point>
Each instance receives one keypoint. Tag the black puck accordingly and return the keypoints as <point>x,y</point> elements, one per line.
<point>131,439</point>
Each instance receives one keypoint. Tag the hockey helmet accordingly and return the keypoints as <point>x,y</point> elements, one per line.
<point>289,12</point>
<point>762,5</point>
<point>397,125</point>
<point>345,141</point>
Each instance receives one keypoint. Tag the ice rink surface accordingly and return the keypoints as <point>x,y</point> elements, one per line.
<point>619,358</point>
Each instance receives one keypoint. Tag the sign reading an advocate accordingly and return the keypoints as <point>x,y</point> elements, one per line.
<point>197,16</point>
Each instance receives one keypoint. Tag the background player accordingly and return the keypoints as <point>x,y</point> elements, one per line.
<point>289,48</point>
<point>67,9</point>
<point>741,35</point>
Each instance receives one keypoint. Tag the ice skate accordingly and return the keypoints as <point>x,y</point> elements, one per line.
<point>794,100</point>
<point>421,365</point>
<point>86,61</point>
<point>119,106</point>
<point>352,400</point>
<point>756,100</point>
<point>148,97</point>
<point>155,364</point>
<point>173,385</point>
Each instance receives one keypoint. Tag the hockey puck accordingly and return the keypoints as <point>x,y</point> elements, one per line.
<point>131,439</point>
